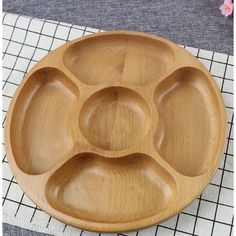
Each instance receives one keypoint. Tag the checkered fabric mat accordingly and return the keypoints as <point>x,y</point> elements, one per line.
<point>25,41</point>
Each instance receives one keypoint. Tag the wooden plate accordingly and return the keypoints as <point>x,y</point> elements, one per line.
<point>115,131</point>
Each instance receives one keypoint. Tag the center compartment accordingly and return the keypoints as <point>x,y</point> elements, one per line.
<point>114,118</point>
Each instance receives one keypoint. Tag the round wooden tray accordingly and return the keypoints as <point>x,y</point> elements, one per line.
<point>115,131</point>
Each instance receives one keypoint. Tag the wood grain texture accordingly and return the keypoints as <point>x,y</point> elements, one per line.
<point>115,131</point>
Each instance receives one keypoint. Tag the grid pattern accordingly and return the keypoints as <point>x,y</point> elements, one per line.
<point>25,41</point>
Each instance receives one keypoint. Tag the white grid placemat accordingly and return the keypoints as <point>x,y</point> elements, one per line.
<point>25,41</point>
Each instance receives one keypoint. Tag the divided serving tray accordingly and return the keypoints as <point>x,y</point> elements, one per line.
<point>115,131</point>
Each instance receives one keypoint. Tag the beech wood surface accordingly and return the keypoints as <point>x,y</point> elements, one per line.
<point>115,131</point>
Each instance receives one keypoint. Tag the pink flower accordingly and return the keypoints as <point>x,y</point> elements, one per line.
<point>227,8</point>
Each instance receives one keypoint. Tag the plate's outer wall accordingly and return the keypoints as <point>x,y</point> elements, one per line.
<point>196,184</point>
